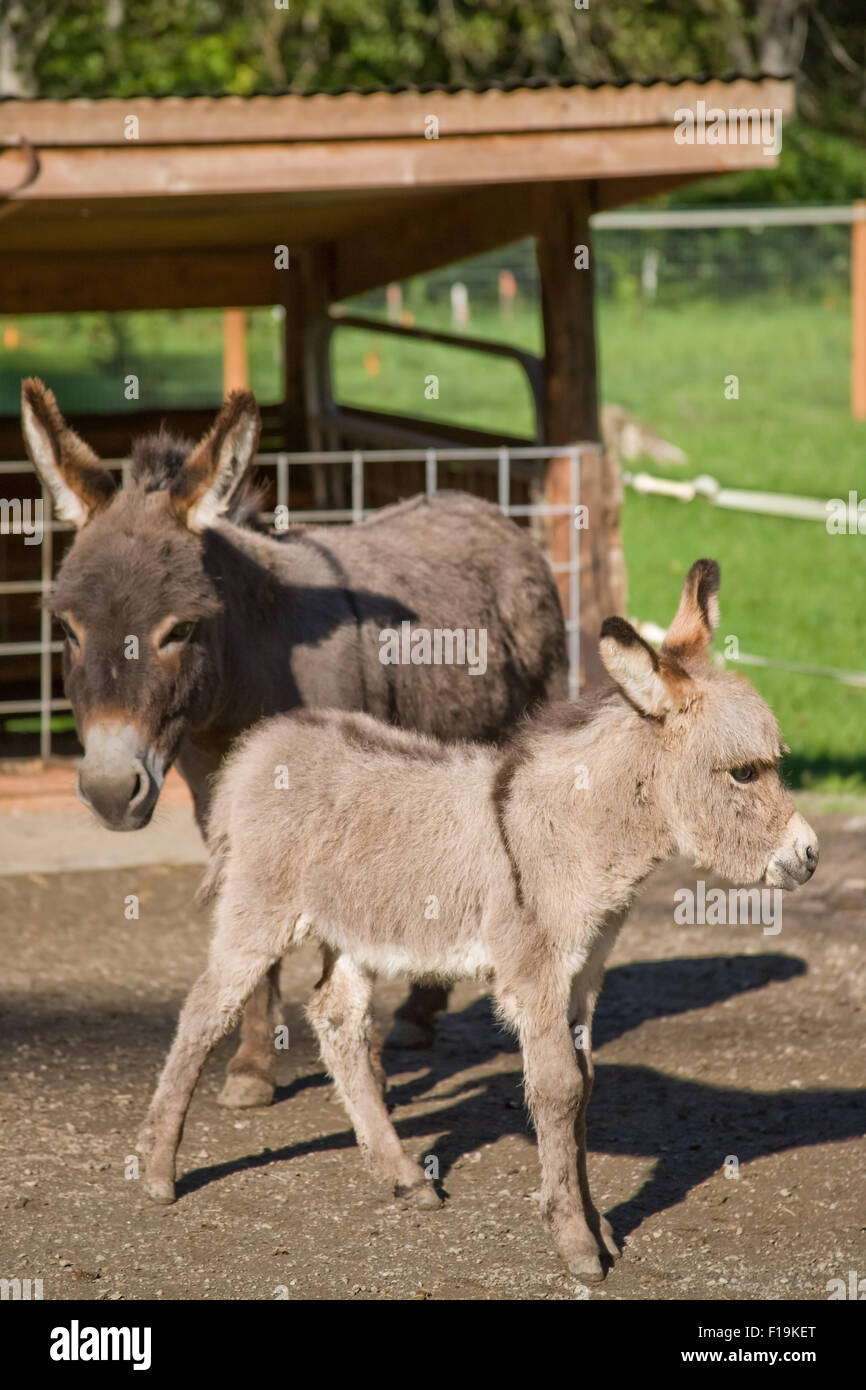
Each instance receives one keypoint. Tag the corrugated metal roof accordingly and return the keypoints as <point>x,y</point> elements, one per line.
<point>516,84</point>
<point>534,83</point>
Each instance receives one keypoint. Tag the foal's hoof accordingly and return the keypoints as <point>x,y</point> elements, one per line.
<point>244,1089</point>
<point>588,1268</point>
<point>423,1195</point>
<point>160,1190</point>
<point>407,1034</point>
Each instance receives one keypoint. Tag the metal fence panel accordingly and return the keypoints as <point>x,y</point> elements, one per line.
<point>283,463</point>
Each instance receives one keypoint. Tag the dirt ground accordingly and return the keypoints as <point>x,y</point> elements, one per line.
<point>711,1042</point>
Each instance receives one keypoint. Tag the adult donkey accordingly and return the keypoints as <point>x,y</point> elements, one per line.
<point>233,624</point>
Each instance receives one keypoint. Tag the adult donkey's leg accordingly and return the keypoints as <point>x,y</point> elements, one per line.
<point>250,1076</point>
<point>415,1021</point>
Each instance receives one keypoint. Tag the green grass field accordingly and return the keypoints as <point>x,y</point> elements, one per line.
<point>790,590</point>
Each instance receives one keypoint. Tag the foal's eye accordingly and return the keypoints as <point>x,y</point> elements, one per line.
<point>68,632</point>
<point>745,774</point>
<point>179,633</point>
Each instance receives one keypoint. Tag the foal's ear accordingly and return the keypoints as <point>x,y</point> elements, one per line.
<point>203,488</point>
<point>634,665</point>
<point>690,634</point>
<point>68,468</point>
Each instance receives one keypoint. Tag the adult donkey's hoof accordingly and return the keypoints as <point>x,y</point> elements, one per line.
<point>407,1033</point>
<point>243,1090</point>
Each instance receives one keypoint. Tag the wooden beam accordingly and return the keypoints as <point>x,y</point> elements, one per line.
<point>159,280</point>
<point>140,171</point>
<point>111,434</point>
<point>353,115</point>
<point>615,193</point>
<point>457,226</point>
<point>151,224</point>
<point>377,429</point>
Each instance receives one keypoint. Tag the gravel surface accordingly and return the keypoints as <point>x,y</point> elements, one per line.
<point>712,1042</point>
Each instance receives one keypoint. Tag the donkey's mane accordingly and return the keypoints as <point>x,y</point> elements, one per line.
<point>157,459</point>
<point>559,716</point>
<point>156,462</point>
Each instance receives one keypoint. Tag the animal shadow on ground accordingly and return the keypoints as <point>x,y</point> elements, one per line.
<point>688,1127</point>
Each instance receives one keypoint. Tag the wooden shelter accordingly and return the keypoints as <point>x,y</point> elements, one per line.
<point>144,203</point>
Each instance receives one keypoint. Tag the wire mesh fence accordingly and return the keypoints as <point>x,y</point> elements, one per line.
<point>667,256</point>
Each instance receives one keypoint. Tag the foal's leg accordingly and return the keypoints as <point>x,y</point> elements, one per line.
<point>415,1021</point>
<point>211,1010</point>
<point>250,1073</point>
<point>339,1011</point>
<point>584,993</point>
<point>554,1092</point>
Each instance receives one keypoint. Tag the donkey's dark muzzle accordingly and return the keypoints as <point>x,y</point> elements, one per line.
<point>121,804</point>
<point>114,779</point>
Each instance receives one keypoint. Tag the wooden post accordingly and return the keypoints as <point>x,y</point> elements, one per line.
<point>317,280</point>
<point>330,485</point>
<point>858,312</point>
<point>235,368</point>
<point>293,412</point>
<point>571,416</point>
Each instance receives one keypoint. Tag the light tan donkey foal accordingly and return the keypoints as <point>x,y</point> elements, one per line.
<point>534,853</point>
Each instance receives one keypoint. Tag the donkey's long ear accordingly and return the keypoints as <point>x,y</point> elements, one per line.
<point>204,486</point>
<point>690,634</point>
<point>634,665</point>
<point>68,467</point>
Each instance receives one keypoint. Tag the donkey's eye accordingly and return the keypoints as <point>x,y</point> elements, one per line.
<point>68,632</point>
<point>745,774</point>
<point>179,633</point>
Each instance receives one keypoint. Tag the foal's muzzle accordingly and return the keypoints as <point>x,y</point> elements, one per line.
<point>796,859</point>
<point>119,779</point>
